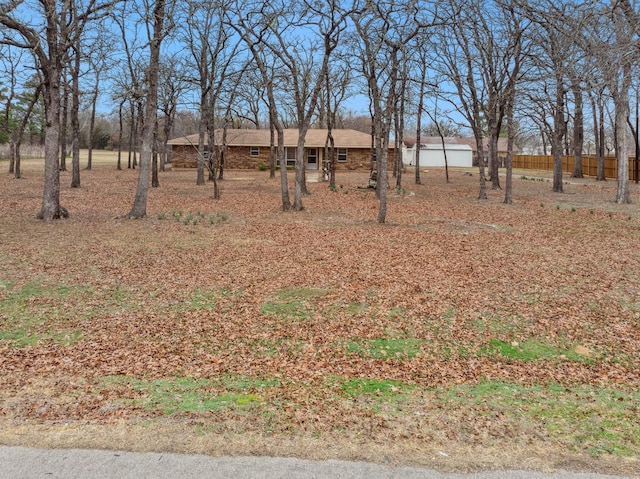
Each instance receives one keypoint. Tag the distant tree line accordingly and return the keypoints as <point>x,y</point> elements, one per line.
<point>556,76</point>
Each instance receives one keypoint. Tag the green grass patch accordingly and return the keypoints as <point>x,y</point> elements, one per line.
<point>186,394</point>
<point>381,396</point>
<point>396,313</point>
<point>30,336</point>
<point>381,388</point>
<point>530,350</point>
<point>28,314</point>
<point>42,310</point>
<point>293,303</point>
<point>584,418</point>
<point>380,348</point>
<point>293,310</point>
<point>201,298</point>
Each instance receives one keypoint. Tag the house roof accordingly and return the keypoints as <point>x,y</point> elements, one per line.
<point>430,140</point>
<point>449,147</point>
<point>450,140</point>
<point>316,138</point>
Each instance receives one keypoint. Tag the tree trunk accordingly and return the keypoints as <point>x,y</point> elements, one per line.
<point>601,176</point>
<point>168,126</point>
<point>300,186</point>
<point>214,156</point>
<point>75,121</point>
<point>132,135</point>
<point>12,159</point>
<point>423,82</point>
<point>120,121</point>
<point>272,152</point>
<point>493,156</point>
<point>155,182</point>
<point>558,135</point>
<point>51,208</point>
<point>92,126</point>
<point>508,162</point>
<point>578,132</point>
<point>303,177</point>
<point>63,128</point>
<point>15,158</point>
<point>221,163</point>
<point>330,145</point>
<point>202,148</point>
<point>382,178</point>
<point>397,157</point>
<point>202,129</point>
<point>51,71</point>
<point>482,194</point>
<point>621,101</point>
<point>331,155</point>
<point>17,140</point>
<point>139,209</point>
<point>494,122</point>
<point>444,149</point>
<point>284,185</point>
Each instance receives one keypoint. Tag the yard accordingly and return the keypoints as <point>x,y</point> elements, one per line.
<point>462,335</point>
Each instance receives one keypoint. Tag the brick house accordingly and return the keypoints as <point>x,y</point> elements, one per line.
<point>249,149</point>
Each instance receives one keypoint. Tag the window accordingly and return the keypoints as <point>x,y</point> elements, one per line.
<point>312,158</point>
<point>342,155</point>
<point>291,156</point>
<point>255,151</point>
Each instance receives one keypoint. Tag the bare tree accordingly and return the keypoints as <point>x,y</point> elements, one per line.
<point>634,126</point>
<point>398,122</point>
<point>120,125</point>
<point>128,78</point>
<point>170,90</point>
<point>597,107</point>
<point>74,69</point>
<point>251,22</point>
<point>422,70</point>
<point>508,190</point>
<point>439,132</point>
<point>620,43</point>
<point>19,99</point>
<point>212,53</point>
<point>556,29</point>
<point>50,53</point>
<point>305,58</point>
<point>156,31</point>
<point>458,63</point>
<point>578,126</point>
<point>384,29</point>
<point>482,49</point>
<point>99,63</point>
<point>337,81</point>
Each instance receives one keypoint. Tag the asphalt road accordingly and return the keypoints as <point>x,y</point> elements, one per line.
<point>26,463</point>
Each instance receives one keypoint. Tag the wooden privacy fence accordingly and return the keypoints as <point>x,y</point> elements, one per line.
<point>589,164</point>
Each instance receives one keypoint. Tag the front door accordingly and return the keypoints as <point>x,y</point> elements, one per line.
<point>312,158</point>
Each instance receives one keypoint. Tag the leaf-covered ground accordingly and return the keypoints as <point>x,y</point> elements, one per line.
<point>463,334</point>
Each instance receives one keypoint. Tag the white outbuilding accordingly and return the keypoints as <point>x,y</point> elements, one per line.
<point>432,153</point>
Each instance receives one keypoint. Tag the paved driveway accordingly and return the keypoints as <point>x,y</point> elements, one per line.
<point>26,463</point>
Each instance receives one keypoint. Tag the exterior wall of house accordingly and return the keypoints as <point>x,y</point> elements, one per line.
<point>433,156</point>
<point>357,159</point>
<point>239,157</point>
<point>183,156</point>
